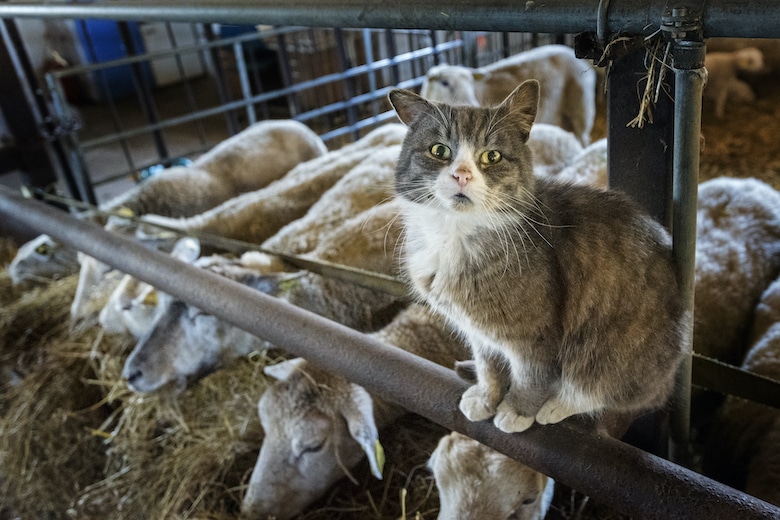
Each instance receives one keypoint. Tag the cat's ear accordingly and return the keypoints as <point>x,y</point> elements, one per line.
<point>523,103</point>
<point>407,104</point>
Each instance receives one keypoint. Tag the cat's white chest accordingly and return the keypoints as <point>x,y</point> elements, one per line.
<point>436,250</point>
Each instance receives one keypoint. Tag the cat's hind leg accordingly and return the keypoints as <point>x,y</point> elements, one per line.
<point>479,402</point>
<point>509,421</point>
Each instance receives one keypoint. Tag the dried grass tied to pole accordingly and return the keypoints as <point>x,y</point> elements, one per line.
<point>657,61</point>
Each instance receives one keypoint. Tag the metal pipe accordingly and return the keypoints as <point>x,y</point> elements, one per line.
<point>626,478</point>
<point>689,77</point>
<point>726,18</point>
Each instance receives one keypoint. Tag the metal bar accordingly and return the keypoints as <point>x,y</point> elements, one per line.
<point>725,18</point>
<point>721,377</point>
<point>598,466</point>
<point>689,85</point>
<point>243,77</point>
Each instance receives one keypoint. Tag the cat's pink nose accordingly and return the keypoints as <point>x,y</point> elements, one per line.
<point>462,175</point>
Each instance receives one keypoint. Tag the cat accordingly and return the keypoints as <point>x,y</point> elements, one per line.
<point>567,295</point>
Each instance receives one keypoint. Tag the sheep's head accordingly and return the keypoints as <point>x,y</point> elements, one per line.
<point>477,482</point>
<point>42,260</point>
<point>450,84</point>
<point>750,59</point>
<point>184,342</point>
<point>317,426</point>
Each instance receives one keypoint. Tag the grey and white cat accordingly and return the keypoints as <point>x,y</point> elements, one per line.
<point>567,294</point>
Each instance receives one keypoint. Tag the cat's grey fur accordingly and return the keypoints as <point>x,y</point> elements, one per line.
<point>567,295</point>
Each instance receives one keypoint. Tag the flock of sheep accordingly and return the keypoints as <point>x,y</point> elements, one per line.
<point>275,185</point>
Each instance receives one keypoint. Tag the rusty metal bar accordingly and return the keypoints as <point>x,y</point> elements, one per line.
<point>628,479</point>
<point>727,18</point>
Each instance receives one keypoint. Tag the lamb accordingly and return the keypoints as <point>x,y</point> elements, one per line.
<point>184,342</point>
<point>742,447</point>
<point>475,481</point>
<point>737,257</point>
<point>245,162</point>
<point>313,431</point>
<point>568,86</point>
<point>722,76</point>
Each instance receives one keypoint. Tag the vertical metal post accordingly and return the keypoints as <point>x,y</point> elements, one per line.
<point>145,95</point>
<point>243,77</point>
<point>683,26</point>
<point>223,92</point>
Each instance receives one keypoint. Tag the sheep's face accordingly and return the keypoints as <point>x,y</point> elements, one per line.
<point>451,84</point>
<point>750,59</point>
<point>477,482</point>
<point>312,437</point>
<point>42,260</point>
<point>183,342</point>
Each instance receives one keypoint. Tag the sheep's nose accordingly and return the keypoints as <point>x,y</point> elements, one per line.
<point>133,376</point>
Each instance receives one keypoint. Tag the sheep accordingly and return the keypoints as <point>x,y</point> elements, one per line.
<point>184,342</point>
<point>245,162</point>
<point>568,86</point>
<point>475,481</point>
<point>131,306</point>
<point>737,257</point>
<point>742,446</point>
<point>587,167</point>
<point>313,434</point>
<point>40,260</point>
<point>552,148</point>
<point>256,216</point>
<point>722,81</point>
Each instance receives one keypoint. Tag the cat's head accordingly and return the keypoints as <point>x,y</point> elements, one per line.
<point>465,158</point>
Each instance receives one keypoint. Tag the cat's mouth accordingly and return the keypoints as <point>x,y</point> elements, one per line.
<point>461,199</point>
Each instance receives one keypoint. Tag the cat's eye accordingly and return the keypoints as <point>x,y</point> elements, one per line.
<point>441,151</point>
<point>490,157</point>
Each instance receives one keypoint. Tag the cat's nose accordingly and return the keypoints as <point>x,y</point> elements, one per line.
<point>462,175</point>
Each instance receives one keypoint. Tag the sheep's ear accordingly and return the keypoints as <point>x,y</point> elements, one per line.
<point>358,411</point>
<point>480,74</point>
<point>186,249</point>
<point>522,104</point>
<point>283,370</point>
<point>273,284</point>
<point>408,105</point>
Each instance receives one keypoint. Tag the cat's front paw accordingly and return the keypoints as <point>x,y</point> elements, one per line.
<point>474,404</point>
<point>553,411</point>
<point>507,419</point>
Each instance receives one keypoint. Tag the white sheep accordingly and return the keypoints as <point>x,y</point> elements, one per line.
<point>185,342</point>
<point>247,161</point>
<point>256,216</point>
<point>742,448</point>
<point>313,435</point>
<point>723,82</point>
<point>477,482</point>
<point>737,257</point>
<point>132,305</point>
<point>552,148</point>
<point>588,167</point>
<point>568,86</point>
<point>41,260</point>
